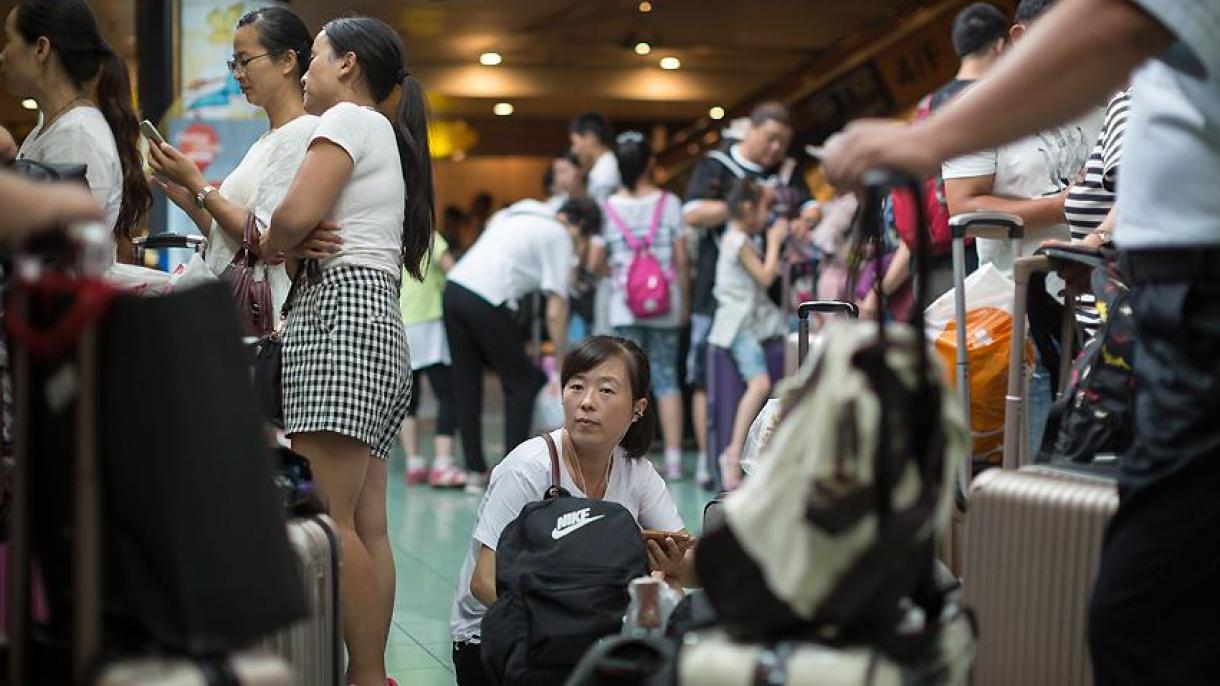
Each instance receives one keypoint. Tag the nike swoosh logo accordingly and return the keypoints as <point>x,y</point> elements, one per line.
<point>560,533</point>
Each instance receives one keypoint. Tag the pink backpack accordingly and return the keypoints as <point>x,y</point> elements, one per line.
<point>647,283</point>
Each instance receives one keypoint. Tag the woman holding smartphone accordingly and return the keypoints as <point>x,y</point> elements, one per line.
<point>609,425</point>
<point>271,50</point>
<point>346,369</point>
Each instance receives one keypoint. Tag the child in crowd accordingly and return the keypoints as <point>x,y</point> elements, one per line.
<point>420,302</point>
<point>745,317</point>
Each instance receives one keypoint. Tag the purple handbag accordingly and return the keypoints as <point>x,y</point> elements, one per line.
<point>252,297</point>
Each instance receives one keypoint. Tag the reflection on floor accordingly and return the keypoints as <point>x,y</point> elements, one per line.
<point>430,531</point>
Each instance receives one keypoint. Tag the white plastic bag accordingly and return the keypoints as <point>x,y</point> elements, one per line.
<point>548,405</point>
<point>138,280</point>
<point>195,272</point>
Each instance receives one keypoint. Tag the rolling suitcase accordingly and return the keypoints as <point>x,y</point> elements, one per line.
<point>74,344</point>
<point>314,646</point>
<point>1033,538</point>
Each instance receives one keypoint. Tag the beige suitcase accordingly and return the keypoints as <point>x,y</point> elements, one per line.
<point>1033,538</point>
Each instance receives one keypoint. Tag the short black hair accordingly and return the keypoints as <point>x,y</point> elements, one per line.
<point>771,110</point>
<point>584,213</point>
<point>281,31</point>
<point>594,123</point>
<point>978,27</point>
<point>597,349</point>
<point>1030,10</point>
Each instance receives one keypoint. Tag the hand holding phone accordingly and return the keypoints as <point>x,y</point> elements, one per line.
<point>151,133</point>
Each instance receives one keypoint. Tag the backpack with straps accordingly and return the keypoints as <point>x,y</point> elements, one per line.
<point>562,571</point>
<point>647,284</point>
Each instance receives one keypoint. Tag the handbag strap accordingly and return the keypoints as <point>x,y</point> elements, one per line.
<point>554,490</point>
<point>309,271</point>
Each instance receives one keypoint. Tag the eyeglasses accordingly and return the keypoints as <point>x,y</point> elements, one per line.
<point>239,64</point>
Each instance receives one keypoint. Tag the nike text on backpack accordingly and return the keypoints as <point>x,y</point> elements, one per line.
<point>647,284</point>
<point>562,571</point>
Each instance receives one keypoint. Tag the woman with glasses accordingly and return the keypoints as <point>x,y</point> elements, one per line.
<point>271,51</point>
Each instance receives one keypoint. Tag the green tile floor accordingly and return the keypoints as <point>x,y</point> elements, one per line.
<point>430,531</point>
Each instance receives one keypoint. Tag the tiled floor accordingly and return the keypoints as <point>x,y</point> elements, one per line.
<point>430,531</point>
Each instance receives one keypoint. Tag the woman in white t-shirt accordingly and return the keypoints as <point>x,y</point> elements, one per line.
<point>54,53</point>
<point>270,54</point>
<point>653,218</point>
<point>608,428</point>
<point>347,375</point>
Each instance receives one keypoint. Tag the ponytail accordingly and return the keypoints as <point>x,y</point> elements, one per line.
<point>115,102</point>
<point>72,29</point>
<point>411,130</point>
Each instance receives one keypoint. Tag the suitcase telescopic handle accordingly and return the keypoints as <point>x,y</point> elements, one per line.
<point>987,224</point>
<point>167,240</point>
<point>825,307</point>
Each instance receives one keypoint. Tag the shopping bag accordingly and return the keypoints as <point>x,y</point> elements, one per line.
<point>989,303</point>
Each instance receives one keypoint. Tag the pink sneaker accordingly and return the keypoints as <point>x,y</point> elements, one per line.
<point>417,471</point>
<point>448,476</point>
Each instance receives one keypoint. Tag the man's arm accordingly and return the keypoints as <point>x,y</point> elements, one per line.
<point>705,214</point>
<point>1072,58</point>
<point>557,324</point>
<point>972,194</point>
<point>26,206</point>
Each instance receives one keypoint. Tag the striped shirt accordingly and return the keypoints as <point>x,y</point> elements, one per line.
<point>1091,199</point>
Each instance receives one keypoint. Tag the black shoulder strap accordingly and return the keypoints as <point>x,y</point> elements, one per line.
<point>554,490</point>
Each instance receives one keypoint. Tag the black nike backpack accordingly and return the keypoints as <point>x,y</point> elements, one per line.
<point>562,571</point>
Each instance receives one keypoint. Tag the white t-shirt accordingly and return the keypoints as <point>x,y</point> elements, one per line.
<point>604,178</point>
<point>1168,196</point>
<point>1034,167</point>
<point>82,136</point>
<point>523,249</point>
<point>259,183</point>
<point>371,206</point>
<point>522,478</point>
<point>637,214</point>
<point>741,304</point>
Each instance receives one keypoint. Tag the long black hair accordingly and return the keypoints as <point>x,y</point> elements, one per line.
<point>597,349</point>
<point>633,153</point>
<point>281,31</point>
<point>71,28</point>
<point>382,57</point>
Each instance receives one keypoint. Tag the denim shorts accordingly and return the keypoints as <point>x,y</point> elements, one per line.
<point>749,356</point>
<point>661,345</point>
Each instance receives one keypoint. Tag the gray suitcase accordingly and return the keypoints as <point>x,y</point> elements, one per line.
<point>314,646</point>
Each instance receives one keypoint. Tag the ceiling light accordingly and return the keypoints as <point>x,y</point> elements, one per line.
<point>490,59</point>
<point>642,48</point>
<point>502,109</point>
<point>29,104</point>
<point>716,112</point>
<point>670,63</point>
<point>645,7</point>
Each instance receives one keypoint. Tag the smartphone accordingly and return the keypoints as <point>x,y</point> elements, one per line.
<point>684,541</point>
<point>151,133</point>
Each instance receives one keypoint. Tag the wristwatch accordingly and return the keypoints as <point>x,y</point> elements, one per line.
<point>203,194</point>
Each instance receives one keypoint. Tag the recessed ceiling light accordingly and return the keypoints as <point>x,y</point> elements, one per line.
<point>716,112</point>
<point>502,109</point>
<point>490,59</point>
<point>29,104</point>
<point>642,48</point>
<point>670,63</point>
<point>645,7</point>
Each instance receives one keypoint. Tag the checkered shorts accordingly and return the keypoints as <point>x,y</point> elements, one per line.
<point>346,364</point>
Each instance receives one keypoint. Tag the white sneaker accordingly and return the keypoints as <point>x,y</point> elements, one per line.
<point>476,483</point>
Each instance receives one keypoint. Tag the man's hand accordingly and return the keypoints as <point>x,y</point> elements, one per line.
<point>321,243</point>
<point>8,146</point>
<point>27,207</point>
<point>878,144</point>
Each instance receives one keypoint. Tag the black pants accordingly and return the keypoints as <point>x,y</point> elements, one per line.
<point>482,335</point>
<point>440,378</point>
<point>1153,618</point>
<point>468,664</point>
